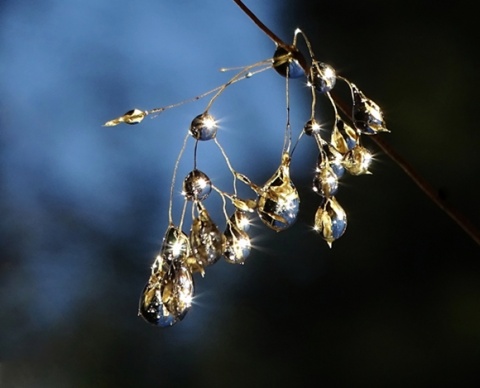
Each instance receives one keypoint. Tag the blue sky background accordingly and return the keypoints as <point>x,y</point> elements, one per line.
<point>84,208</point>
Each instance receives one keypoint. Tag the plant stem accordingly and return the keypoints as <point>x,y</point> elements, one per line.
<point>431,193</point>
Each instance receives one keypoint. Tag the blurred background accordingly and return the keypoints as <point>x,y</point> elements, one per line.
<point>395,302</point>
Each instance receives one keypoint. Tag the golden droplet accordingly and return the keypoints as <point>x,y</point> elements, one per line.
<point>330,220</point>
<point>205,239</point>
<point>132,117</point>
<point>278,201</point>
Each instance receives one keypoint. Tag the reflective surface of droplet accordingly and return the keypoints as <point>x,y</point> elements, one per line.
<point>325,182</point>
<point>237,244</point>
<point>131,117</point>
<point>330,220</point>
<point>278,201</point>
<point>329,155</point>
<point>344,137</point>
<point>203,127</point>
<point>152,309</point>
<point>197,186</point>
<point>175,244</point>
<point>206,240</point>
<point>367,115</point>
<point>358,160</point>
<point>177,290</point>
<point>290,59</point>
<point>312,127</point>
<point>323,77</point>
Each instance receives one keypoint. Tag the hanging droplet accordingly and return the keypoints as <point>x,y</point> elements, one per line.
<point>175,244</point>
<point>323,77</point>
<point>203,127</point>
<point>177,290</point>
<point>367,115</point>
<point>151,307</point>
<point>278,201</point>
<point>237,243</point>
<point>312,127</point>
<point>197,186</point>
<point>205,239</point>
<point>358,160</point>
<point>133,116</point>
<point>330,220</point>
<point>344,137</point>
<point>329,155</point>
<point>240,220</point>
<point>289,58</point>
<point>325,182</point>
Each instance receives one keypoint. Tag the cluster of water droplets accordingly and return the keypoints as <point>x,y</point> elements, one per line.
<point>169,291</point>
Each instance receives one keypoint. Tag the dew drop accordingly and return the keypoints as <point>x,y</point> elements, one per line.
<point>203,127</point>
<point>278,201</point>
<point>177,291</point>
<point>290,59</point>
<point>237,242</point>
<point>152,309</point>
<point>367,115</point>
<point>330,220</point>
<point>325,182</point>
<point>323,77</point>
<point>358,160</point>
<point>312,127</point>
<point>206,240</point>
<point>197,186</point>
<point>331,157</point>
<point>175,244</point>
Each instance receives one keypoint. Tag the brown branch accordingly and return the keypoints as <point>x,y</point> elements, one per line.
<point>429,190</point>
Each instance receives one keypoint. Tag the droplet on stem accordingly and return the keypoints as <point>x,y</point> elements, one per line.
<point>357,160</point>
<point>131,117</point>
<point>197,186</point>
<point>175,244</point>
<point>312,127</point>
<point>322,76</point>
<point>278,201</point>
<point>204,127</point>
<point>206,240</point>
<point>237,242</point>
<point>367,115</point>
<point>325,182</point>
<point>330,220</point>
<point>289,61</point>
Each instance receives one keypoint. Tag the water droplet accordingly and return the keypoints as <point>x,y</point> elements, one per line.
<point>358,160</point>
<point>330,220</point>
<point>322,77</point>
<point>368,117</point>
<point>197,186</point>
<point>131,117</point>
<point>278,201</point>
<point>344,137</point>
<point>237,242</point>
<point>203,127</point>
<point>175,245</point>
<point>325,182</point>
<point>205,239</point>
<point>241,220</point>
<point>167,297</point>
<point>151,307</point>
<point>290,59</point>
<point>329,155</point>
<point>312,127</point>
<point>177,291</point>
